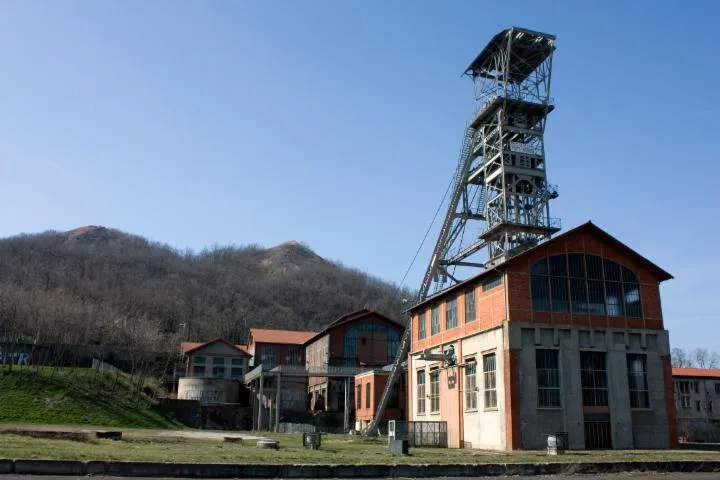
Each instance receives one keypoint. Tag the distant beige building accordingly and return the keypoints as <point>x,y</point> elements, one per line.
<point>213,371</point>
<point>697,397</point>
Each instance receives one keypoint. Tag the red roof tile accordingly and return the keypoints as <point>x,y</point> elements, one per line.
<point>696,372</point>
<point>288,337</point>
<point>352,316</point>
<point>189,347</point>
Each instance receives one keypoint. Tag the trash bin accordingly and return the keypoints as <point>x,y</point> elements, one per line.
<point>556,443</point>
<point>312,440</point>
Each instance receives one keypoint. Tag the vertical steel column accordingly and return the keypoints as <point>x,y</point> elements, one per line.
<point>277,402</point>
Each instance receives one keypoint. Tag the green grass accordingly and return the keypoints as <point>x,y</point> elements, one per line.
<point>335,449</point>
<point>74,397</point>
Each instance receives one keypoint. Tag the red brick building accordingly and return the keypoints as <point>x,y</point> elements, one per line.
<point>359,339</point>
<point>369,387</point>
<point>566,336</point>
<point>277,347</point>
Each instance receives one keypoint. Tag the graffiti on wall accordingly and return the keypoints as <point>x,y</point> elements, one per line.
<point>14,358</point>
<point>203,393</point>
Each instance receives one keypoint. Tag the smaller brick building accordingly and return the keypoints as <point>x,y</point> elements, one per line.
<point>277,347</point>
<point>361,339</point>
<point>369,387</point>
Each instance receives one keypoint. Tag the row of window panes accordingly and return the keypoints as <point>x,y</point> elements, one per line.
<point>451,314</point>
<point>490,386</point>
<point>561,283</point>
<point>593,379</point>
<point>688,386</point>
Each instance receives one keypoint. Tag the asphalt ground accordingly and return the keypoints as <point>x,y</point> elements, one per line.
<point>614,476</point>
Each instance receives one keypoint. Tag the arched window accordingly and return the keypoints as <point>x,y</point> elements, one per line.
<point>581,283</point>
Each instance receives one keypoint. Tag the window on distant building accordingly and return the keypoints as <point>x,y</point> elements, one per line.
<point>421,326</point>
<point>237,368</point>
<point>268,355</point>
<point>717,388</point>
<point>685,401</point>
<point>218,369</point>
<point>637,381</point>
<point>294,356</point>
<point>682,386</point>
<point>358,394</point>
<point>421,392</point>
<point>696,386</point>
<point>451,314</point>
<point>581,283</point>
<point>548,378</point>
<point>198,367</point>
<point>367,395</point>
<point>470,306</point>
<point>491,282</point>
<point>709,406</point>
<point>435,320</point>
<point>434,390</point>
<point>489,380</point>
<point>697,405</point>
<point>593,379</point>
<point>470,384</point>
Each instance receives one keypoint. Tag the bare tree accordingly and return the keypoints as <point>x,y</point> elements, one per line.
<point>680,358</point>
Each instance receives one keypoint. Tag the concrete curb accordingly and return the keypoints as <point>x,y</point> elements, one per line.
<point>226,470</point>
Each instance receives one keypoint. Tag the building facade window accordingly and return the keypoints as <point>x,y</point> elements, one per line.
<point>491,282</point>
<point>717,388</point>
<point>696,385</point>
<point>697,405</point>
<point>593,379</point>
<point>218,369</point>
<point>294,356</point>
<point>685,401</point>
<point>434,390</point>
<point>237,367</point>
<point>470,306</point>
<point>421,392</point>
<point>367,395</point>
<point>421,326</point>
<point>637,381</point>
<point>379,333</point>
<point>471,384</point>
<point>682,386</point>
<point>451,314</point>
<point>709,406</point>
<point>588,284</point>
<point>198,366</point>
<point>490,380</point>
<point>358,399</point>
<point>435,320</point>
<point>548,377</point>
<point>268,355</point>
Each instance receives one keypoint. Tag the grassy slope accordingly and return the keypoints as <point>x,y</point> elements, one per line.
<point>77,397</point>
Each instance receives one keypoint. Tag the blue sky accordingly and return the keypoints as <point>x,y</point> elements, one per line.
<point>339,123</point>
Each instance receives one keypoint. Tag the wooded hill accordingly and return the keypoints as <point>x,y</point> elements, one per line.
<point>95,285</point>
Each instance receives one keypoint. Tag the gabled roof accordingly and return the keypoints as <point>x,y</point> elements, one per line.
<point>287,337</point>
<point>696,372</point>
<point>187,348</point>
<point>351,317</point>
<point>588,227</point>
